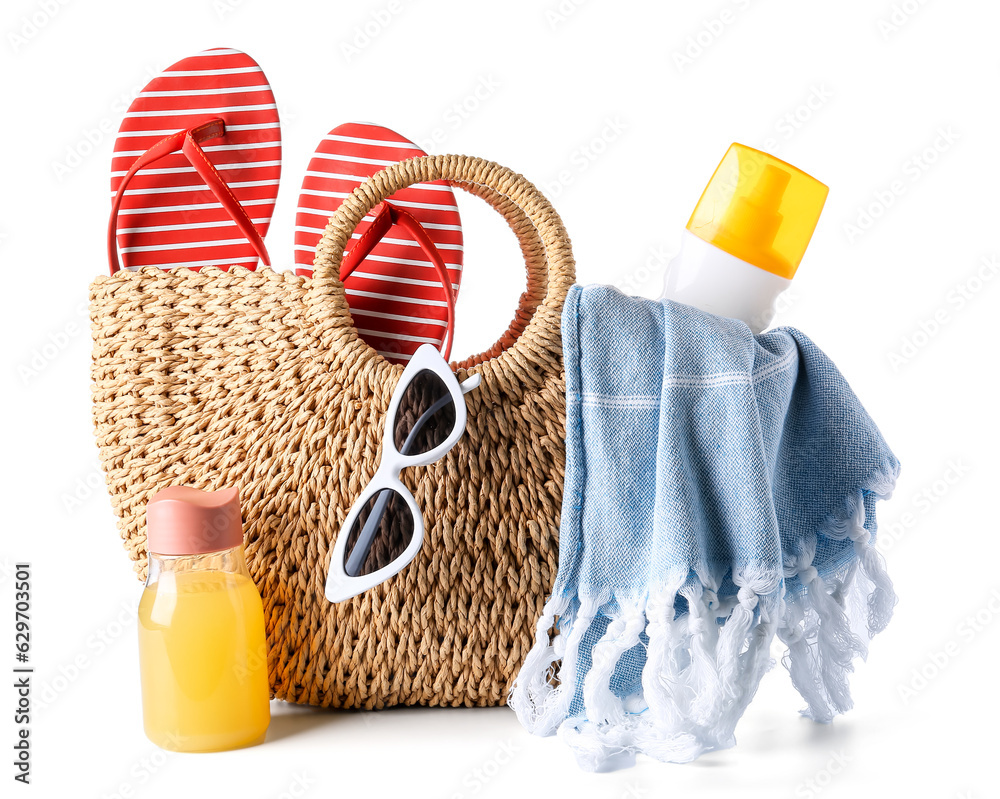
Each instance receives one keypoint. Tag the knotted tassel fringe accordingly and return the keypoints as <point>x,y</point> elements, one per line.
<point>699,675</point>
<point>827,622</point>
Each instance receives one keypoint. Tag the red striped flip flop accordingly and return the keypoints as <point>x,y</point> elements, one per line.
<point>177,203</point>
<point>394,281</point>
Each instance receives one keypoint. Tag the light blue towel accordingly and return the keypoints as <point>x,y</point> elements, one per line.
<point>720,489</point>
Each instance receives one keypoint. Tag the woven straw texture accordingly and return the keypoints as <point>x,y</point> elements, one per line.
<point>259,380</point>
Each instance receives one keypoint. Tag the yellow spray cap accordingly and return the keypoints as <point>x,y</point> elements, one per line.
<point>759,209</point>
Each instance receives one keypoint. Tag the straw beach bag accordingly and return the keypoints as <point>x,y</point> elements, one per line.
<point>259,380</point>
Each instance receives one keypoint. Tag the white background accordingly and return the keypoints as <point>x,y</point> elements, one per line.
<point>592,103</point>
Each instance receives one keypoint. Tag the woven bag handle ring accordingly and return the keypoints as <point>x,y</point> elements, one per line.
<point>535,330</point>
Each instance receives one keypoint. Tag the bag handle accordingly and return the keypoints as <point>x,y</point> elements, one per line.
<point>533,339</point>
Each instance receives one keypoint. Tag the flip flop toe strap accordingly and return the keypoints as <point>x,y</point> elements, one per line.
<point>387,216</point>
<point>189,143</point>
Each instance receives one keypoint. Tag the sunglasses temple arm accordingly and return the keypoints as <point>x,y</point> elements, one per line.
<point>470,383</point>
<point>359,553</point>
<point>425,417</point>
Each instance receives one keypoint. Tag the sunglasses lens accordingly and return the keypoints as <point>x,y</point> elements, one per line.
<point>379,535</point>
<point>426,415</point>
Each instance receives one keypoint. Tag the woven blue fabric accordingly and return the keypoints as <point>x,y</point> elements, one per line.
<point>720,489</point>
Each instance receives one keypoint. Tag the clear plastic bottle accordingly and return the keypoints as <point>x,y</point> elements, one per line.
<point>746,237</point>
<point>202,649</point>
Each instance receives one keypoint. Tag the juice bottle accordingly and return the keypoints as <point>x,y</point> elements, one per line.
<point>746,237</point>
<point>202,651</point>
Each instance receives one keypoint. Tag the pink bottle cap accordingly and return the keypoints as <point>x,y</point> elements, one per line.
<point>181,520</point>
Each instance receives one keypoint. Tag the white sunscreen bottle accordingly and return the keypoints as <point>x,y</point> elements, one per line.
<point>746,237</point>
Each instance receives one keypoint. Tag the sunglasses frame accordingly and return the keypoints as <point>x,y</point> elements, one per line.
<point>340,586</point>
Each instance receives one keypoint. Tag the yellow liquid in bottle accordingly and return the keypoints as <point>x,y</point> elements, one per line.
<point>203,661</point>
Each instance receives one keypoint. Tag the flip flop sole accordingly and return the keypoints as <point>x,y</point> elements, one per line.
<point>168,217</point>
<point>395,294</point>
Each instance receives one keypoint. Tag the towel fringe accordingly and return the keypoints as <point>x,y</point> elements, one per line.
<point>699,675</point>
<point>827,625</point>
<point>703,667</point>
<point>697,680</point>
<point>540,701</point>
<point>622,634</point>
<point>701,690</point>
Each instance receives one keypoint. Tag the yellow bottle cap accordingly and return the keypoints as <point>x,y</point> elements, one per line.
<point>759,209</point>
